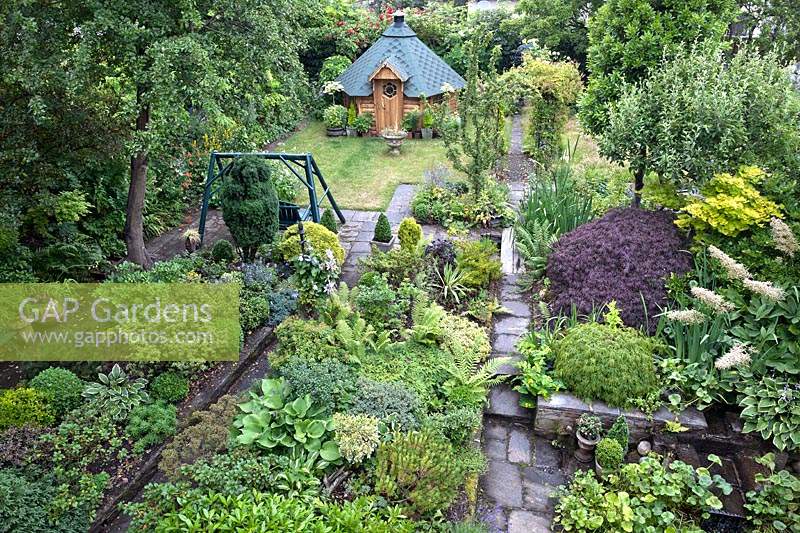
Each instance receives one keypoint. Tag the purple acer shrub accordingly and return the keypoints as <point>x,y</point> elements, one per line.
<point>624,256</point>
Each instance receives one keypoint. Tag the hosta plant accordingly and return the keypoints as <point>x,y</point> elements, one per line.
<point>272,422</point>
<point>116,392</point>
<point>771,407</point>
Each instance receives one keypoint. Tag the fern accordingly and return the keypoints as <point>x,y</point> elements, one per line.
<point>470,382</point>
<point>357,339</point>
<point>338,306</point>
<point>427,328</point>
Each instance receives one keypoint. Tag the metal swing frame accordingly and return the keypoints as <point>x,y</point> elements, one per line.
<point>302,166</point>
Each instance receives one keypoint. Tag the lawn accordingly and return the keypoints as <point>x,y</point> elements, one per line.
<point>360,171</point>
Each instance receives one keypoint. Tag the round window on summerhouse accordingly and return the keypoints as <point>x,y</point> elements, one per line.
<point>390,90</point>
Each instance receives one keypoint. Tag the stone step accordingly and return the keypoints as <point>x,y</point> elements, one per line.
<point>504,402</point>
<point>510,368</point>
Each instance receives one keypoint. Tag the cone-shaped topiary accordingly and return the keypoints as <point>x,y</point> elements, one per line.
<point>409,233</point>
<point>329,221</point>
<point>620,432</point>
<point>383,231</point>
<point>250,205</point>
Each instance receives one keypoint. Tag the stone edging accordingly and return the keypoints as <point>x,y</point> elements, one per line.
<point>562,410</point>
<point>254,345</point>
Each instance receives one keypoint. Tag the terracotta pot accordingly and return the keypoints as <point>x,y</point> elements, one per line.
<point>585,448</point>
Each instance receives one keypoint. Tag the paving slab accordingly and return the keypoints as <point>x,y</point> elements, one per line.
<point>519,446</point>
<point>527,522</point>
<point>503,484</point>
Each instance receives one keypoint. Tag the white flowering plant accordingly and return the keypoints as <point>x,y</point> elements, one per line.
<point>315,278</point>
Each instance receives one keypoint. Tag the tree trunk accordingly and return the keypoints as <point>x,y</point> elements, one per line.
<point>134,222</point>
<point>637,187</point>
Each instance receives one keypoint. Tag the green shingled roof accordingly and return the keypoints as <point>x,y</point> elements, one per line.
<point>401,50</point>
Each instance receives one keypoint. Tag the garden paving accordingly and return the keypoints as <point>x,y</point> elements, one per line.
<point>523,470</point>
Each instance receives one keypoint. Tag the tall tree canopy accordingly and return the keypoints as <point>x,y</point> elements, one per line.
<point>628,37</point>
<point>90,88</point>
<point>560,25</point>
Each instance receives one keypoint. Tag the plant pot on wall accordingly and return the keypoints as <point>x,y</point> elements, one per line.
<point>585,448</point>
<point>427,133</point>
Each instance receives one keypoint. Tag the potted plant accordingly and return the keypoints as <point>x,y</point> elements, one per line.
<point>427,124</point>
<point>588,435</point>
<point>394,138</point>
<point>383,238</point>
<point>191,240</point>
<point>363,123</point>
<point>334,117</point>
<point>351,120</point>
<point>607,456</point>
<point>411,121</point>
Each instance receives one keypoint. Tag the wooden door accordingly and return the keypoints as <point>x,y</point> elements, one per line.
<point>388,104</point>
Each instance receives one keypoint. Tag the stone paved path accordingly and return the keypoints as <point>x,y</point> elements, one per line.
<point>522,469</point>
<point>356,235</point>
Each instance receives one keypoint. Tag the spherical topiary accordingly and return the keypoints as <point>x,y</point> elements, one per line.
<point>606,363</point>
<point>223,252</point>
<point>318,240</point>
<point>383,231</point>
<point>409,233</point>
<point>625,256</point>
<point>61,387</point>
<point>250,205</point>
<point>170,387</point>
<point>24,405</point>
<point>329,221</point>
<point>609,453</point>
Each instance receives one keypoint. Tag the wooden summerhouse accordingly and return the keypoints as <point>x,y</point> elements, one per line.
<point>389,79</point>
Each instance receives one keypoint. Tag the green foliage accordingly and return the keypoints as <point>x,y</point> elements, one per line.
<point>457,425</point>
<point>309,339</point>
<point>171,507</point>
<point>202,434</point>
<point>319,239</point>
<point>478,263</point>
<point>450,284</point>
<point>250,205</point>
<point>699,114</point>
<point>330,383</point>
<point>626,38</point>
<point>558,25</point>
<point>332,67</point>
<point>469,382</point>
<point>602,362</point>
<point>770,407</point>
<point>533,380</point>
<point>549,89</point>
<point>619,432</point>
<point>61,387</point>
<point>223,252</point>
<point>451,205</point>
<point>418,472</point>
<point>383,231</point>
<point>335,116</point>
<point>253,310</point>
<point>411,120</point>
<point>730,204</point>
<point>409,233</point>
<point>170,387</point>
<point>775,504</point>
<point>645,496</point>
<point>271,422</point>
<point>364,122</point>
<point>22,406</point>
<point>29,502</point>
<point>391,403</point>
<point>240,471</point>
<point>314,277</point>
<point>397,265</point>
<point>356,435</point>
<point>378,303</point>
<point>351,114</point>
<point>475,142</point>
<point>116,393</point>
<point>329,221</point>
<point>150,424</point>
<point>609,454</point>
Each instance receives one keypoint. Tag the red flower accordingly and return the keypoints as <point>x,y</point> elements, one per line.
<point>340,23</point>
